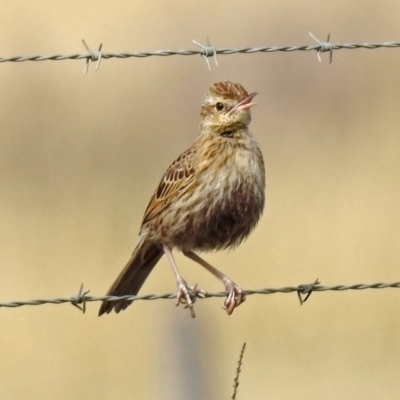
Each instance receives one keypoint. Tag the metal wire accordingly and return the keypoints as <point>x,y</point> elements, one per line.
<point>83,298</point>
<point>94,55</point>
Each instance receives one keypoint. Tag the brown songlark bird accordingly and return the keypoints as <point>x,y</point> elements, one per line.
<point>210,198</point>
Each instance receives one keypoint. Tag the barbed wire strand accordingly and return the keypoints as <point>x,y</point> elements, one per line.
<point>305,289</point>
<point>205,51</point>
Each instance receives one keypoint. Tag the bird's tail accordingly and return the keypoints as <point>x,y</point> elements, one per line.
<point>130,280</point>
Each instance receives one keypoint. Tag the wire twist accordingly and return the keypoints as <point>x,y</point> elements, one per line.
<point>208,52</point>
<point>93,56</point>
<point>324,46</point>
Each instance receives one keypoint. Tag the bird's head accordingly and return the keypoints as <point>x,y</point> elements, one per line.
<point>226,106</point>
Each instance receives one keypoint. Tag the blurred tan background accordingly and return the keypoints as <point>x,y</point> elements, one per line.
<point>81,155</point>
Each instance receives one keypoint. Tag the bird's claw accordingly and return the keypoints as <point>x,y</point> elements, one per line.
<point>236,296</point>
<point>188,295</point>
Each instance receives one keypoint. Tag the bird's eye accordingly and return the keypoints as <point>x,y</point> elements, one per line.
<point>219,106</point>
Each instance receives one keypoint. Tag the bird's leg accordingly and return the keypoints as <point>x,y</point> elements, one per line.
<point>236,295</point>
<point>185,293</point>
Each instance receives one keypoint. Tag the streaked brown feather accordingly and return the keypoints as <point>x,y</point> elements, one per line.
<point>228,90</point>
<point>178,177</point>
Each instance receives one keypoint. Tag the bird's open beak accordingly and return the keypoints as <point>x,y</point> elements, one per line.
<point>244,104</point>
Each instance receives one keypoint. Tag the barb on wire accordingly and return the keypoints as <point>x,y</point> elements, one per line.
<point>324,46</point>
<point>208,52</point>
<point>82,297</point>
<point>320,47</point>
<point>93,56</point>
<point>307,290</point>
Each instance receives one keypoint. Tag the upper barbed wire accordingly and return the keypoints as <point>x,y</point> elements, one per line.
<point>321,47</point>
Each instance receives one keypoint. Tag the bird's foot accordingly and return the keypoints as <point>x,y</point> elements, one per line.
<point>236,296</point>
<point>188,295</point>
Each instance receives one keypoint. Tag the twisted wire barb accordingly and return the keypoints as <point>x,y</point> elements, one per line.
<point>83,298</point>
<point>209,51</point>
<point>224,51</point>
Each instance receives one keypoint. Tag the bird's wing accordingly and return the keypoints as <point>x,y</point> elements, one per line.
<point>176,179</point>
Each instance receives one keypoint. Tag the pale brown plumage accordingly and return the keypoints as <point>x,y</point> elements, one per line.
<point>210,198</point>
